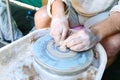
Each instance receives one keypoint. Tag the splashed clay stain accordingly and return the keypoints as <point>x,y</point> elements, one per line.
<point>30,71</point>
<point>89,74</point>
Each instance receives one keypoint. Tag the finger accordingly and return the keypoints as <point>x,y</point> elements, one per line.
<point>56,36</point>
<point>51,32</point>
<point>70,38</point>
<point>73,34</point>
<point>70,32</point>
<point>74,41</point>
<point>57,39</point>
<point>78,47</point>
<point>64,34</point>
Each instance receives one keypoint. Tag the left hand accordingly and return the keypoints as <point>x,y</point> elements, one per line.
<point>81,40</point>
<point>59,28</point>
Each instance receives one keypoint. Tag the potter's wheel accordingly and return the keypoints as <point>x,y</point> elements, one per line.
<point>52,58</point>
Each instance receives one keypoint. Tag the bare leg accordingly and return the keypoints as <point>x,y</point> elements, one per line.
<point>112,47</point>
<point>42,20</point>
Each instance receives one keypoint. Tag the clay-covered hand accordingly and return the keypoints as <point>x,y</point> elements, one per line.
<point>82,40</point>
<point>59,28</point>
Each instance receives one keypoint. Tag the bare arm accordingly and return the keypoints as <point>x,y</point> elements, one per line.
<point>59,24</point>
<point>58,8</point>
<point>107,27</point>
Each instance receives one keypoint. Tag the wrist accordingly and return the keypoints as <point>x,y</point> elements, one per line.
<point>96,32</point>
<point>107,27</point>
<point>104,28</point>
<point>93,35</point>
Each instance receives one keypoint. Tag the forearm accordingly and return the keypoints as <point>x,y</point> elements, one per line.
<point>58,8</point>
<point>107,27</point>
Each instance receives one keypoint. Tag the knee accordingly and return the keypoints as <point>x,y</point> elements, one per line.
<point>41,18</point>
<point>112,45</point>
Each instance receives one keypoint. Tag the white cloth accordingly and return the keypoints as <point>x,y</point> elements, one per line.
<point>87,8</point>
<point>116,8</point>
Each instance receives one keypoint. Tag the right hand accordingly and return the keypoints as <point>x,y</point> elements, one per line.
<point>81,40</point>
<point>59,28</point>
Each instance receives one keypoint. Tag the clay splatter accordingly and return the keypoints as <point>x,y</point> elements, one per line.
<point>30,71</point>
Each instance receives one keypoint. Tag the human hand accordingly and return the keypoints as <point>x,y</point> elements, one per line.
<point>59,28</point>
<point>81,40</point>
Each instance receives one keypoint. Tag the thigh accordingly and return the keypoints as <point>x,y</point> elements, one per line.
<point>112,46</point>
